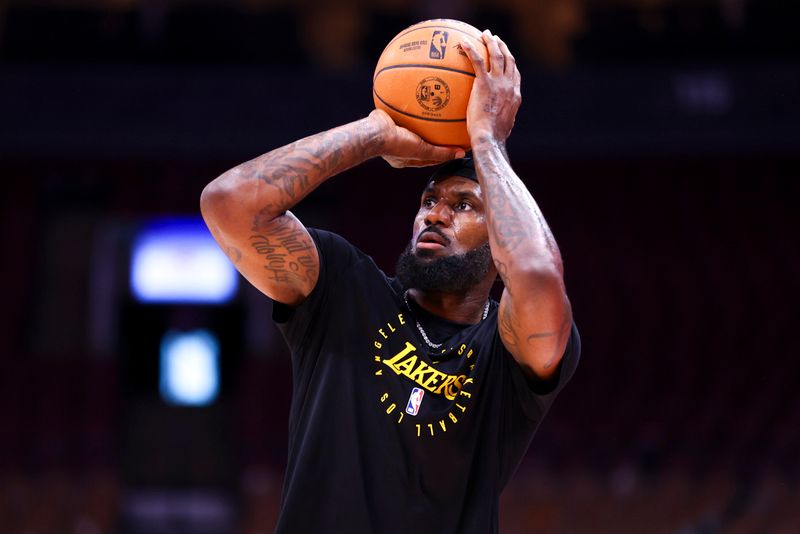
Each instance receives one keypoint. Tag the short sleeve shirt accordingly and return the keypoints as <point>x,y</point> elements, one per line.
<point>387,434</point>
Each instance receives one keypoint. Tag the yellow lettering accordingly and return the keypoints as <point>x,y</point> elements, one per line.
<point>401,416</point>
<point>378,359</point>
<point>418,427</point>
<point>453,389</point>
<point>469,354</point>
<point>433,380</point>
<point>430,427</point>
<point>391,408</point>
<point>381,332</point>
<point>447,381</point>
<point>452,417</point>
<point>400,318</point>
<point>391,327</point>
<point>469,381</point>
<point>379,372</point>
<point>421,369</point>
<point>384,397</point>
<point>467,395</point>
<point>441,424</point>
<point>461,349</point>
<point>400,355</point>
<point>378,345</point>
<point>462,408</point>
<point>405,366</point>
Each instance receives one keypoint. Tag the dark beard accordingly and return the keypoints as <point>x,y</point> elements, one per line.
<point>449,274</point>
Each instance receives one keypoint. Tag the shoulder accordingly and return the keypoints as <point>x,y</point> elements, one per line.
<point>339,258</point>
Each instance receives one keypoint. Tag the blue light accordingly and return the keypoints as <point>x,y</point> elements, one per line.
<point>177,260</point>
<point>189,374</point>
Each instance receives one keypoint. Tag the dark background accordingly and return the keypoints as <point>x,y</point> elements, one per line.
<point>661,138</point>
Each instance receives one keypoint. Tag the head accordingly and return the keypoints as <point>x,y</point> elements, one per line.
<point>449,248</point>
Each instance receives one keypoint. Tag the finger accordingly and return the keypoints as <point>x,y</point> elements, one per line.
<point>511,63</point>
<point>478,63</point>
<point>497,63</point>
<point>438,153</point>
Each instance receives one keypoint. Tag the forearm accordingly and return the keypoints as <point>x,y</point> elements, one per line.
<point>520,238</point>
<point>267,186</point>
<point>535,313</point>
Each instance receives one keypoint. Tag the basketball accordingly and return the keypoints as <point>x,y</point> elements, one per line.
<point>423,80</point>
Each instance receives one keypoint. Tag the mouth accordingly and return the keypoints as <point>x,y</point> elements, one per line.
<point>432,240</point>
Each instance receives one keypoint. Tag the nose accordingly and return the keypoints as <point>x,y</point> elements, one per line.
<point>440,213</point>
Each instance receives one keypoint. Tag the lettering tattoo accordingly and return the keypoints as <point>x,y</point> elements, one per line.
<point>287,252</point>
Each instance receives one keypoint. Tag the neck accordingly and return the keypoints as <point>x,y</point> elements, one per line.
<point>465,307</point>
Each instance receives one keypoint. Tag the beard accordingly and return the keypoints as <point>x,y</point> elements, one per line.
<point>448,274</point>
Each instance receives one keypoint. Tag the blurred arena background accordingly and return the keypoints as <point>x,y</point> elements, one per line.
<point>661,137</point>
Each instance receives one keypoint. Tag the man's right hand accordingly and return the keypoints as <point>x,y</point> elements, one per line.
<point>404,148</point>
<point>246,208</point>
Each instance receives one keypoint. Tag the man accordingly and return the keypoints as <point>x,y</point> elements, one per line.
<point>415,397</point>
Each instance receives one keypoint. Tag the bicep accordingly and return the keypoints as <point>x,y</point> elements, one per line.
<point>277,256</point>
<point>534,327</point>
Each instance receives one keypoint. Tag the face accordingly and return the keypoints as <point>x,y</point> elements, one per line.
<point>449,250</point>
<point>450,220</point>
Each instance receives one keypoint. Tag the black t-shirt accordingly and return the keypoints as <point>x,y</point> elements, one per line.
<point>385,434</point>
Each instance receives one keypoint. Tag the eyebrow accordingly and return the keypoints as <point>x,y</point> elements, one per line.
<point>462,193</point>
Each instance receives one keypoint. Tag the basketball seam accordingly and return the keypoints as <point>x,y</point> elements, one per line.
<point>422,65</point>
<point>388,105</point>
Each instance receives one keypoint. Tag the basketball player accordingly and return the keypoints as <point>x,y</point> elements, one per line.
<point>415,397</point>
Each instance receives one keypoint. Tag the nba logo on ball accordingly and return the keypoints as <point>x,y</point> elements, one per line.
<point>438,45</point>
<point>423,87</point>
<point>414,401</point>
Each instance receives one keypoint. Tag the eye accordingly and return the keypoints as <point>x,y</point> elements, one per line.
<point>428,202</point>
<point>463,205</point>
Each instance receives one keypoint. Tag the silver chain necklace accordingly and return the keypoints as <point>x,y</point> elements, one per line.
<point>422,330</point>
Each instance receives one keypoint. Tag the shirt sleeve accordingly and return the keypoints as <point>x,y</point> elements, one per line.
<point>536,398</point>
<point>336,256</point>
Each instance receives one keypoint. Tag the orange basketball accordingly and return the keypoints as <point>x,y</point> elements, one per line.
<point>423,80</point>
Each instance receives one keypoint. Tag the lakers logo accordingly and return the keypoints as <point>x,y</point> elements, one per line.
<point>433,93</point>
<point>438,45</point>
<point>420,378</point>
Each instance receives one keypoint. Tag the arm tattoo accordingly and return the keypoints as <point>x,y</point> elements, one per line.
<point>520,237</point>
<point>298,168</point>
<point>286,252</point>
<point>507,328</point>
<point>514,218</point>
<point>561,333</point>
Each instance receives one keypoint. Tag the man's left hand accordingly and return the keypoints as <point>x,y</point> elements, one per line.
<point>496,95</point>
